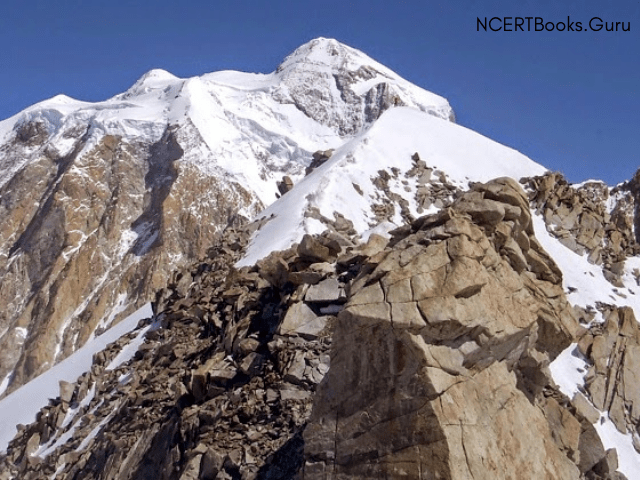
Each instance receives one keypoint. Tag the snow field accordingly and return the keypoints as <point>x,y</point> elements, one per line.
<point>21,406</point>
<point>399,133</point>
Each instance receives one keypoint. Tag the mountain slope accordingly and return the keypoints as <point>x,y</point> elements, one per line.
<point>397,312</point>
<point>99,202</point>
<point>376,168</point>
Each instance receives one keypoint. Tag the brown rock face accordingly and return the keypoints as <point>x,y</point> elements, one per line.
<point>581,220</point>
<point>438,365</point>
<point>435,368</point>
<point>88,237</point>
<point>613,382</point>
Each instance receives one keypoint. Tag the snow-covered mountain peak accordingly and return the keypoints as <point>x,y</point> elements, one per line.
<point>156,79</point>
<point>327,52</point>
<point>343,88</point>
<point>192,152</point>
<point>59,100</point>
<point>157,75</point>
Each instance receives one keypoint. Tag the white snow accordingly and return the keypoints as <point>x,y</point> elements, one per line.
<point>5,382</point>
<point>568,370</point>
<point>129,350</point>
<point>400,132</point>
<point>628,458</point>
<point>22,405</point>
<point>587,282</point>
<point>21,332</point>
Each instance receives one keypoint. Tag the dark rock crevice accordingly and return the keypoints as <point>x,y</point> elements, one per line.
<point>160,177</point>
<point>43,238</point>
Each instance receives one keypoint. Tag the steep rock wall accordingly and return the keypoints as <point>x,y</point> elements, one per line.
<point>439,360</point>
<point>435,368</point>
<point>91,236</point>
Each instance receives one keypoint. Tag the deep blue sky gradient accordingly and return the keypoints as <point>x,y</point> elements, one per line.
<point>569,100</point>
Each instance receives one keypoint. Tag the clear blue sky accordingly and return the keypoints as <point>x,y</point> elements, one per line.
<point>569,100</point>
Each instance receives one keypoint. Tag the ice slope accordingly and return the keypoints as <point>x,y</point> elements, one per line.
<point>22,405</point>
<point>462,154</point>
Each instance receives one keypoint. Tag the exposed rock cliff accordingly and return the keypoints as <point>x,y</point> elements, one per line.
<point>100,202</point>
<point>439,359</point>
<point>403,310</point>
<point>435,367</point>
<point>590,219</point>
<point>90,236</point>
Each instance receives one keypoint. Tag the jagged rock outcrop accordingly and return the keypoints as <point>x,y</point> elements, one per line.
<point>612,382</point>
<point>590,219</point>
<point>423,356</point>
<point>438,365</point>
<point>432,188</point>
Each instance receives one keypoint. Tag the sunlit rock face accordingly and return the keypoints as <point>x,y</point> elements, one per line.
<point>344,283</point>
<point>90,236</point>
<point>439,360</point>
<point>99,201</point>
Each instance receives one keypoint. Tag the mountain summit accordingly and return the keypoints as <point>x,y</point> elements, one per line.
<point>101,201</point>
<point>312,273</point>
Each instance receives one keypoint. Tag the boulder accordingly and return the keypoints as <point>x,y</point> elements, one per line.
<point>285,185</point>
<point>66,391</point>
<point>301,320</point>
<point>585,408</point>
<point>312,250</point>
<point>327,291</point>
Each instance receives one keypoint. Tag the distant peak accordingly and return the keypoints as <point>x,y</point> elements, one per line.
<point>61,98</point>
<point>327,44</point>
<point>159,73</point>
<point>328,52</point>
<point>156,75</point>
<point>153,79</point>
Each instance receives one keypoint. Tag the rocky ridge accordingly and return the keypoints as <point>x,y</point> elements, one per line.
<point>99,203</point>
<point>590,219</point>
<point>422,356</point>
